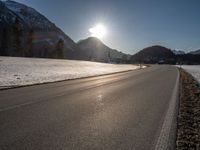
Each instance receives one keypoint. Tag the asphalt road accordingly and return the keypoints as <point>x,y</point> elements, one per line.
<point>122,111</point>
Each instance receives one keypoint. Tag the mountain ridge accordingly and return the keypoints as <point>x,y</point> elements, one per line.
<point>41,36</point>
<point>95,50</point>
<point>154,54</point>
<point>46,33</point>
<point>38,33</point>
<point>196,52</point>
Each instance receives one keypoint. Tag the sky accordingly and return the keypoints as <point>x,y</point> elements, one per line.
<point>131,25</point>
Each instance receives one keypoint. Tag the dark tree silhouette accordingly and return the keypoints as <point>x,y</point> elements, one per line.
<point>46,52</point>
<point>17,35</point>
<point>31,37</point>
<point>124,58</point>
<point>60,49</point>
<point>109,56</point>
<point>4,42</point>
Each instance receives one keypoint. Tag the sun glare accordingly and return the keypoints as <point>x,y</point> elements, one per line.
<point>98,31</point>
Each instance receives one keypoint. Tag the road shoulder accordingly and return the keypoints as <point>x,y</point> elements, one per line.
<point>167,136</point>
<point>188,135</point>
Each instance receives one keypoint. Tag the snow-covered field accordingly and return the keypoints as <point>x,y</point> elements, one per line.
<point>193,70</point>
<point>26,71</point>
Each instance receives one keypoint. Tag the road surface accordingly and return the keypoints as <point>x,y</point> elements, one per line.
<point>123,111</point>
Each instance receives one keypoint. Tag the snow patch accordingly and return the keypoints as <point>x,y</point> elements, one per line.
<point>194,70</point>
<point>27,71</point>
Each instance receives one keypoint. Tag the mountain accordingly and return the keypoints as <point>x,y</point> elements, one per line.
<point>197,52</point>
<point>21,25</point>
<point>178,52</point>
<point>93,49</point>
<point>154,54</point>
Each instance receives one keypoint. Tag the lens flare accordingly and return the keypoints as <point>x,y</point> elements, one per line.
<point>98,31</point>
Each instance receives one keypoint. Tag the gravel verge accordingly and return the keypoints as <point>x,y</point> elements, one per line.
<point>188,133</point>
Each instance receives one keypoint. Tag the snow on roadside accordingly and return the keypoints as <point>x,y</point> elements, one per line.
<point>27,71</point>
<point>194,70</point>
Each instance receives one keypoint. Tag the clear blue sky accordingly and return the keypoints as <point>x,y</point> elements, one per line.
<point>131,24</point>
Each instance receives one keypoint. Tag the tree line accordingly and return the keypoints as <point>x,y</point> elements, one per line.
<point>17,41</point>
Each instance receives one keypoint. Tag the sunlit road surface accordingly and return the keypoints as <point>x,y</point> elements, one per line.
<point>122,111</point>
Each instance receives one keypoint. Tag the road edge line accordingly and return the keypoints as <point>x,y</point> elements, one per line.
<point>166,139</point>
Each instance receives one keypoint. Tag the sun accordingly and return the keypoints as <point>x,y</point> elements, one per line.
<point>98,31</point>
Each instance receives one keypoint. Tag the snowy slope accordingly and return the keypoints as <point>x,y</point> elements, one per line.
<point>197,52</point>
<point>178,52</point>
<point>30,19</point>
<point>26,71</point>
<point>194,70</point>
<point>30,16</point>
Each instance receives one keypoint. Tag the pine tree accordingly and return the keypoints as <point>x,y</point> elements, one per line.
<point>109,56</point>
<point>60,49</point>
<point>46,52</point>
<point>30,43</point>
<point>4,42</point>
<point>17,34</point>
